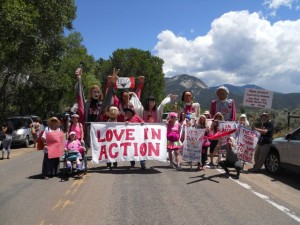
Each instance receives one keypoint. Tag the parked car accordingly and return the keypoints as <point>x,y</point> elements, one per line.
<point>165,117</point>
<point>284,153</point>
<point>22,130</point>
<point>37,118</point>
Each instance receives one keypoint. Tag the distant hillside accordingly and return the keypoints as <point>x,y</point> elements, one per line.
<point>204,94</point>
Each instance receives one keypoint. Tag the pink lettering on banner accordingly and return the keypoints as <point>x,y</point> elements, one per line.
<point>103,152</point>
<point>129,134</point>
<point>110,152</point>
<point>118,137</point>
<point>143,149</point>
<point>125,147</point>
<point>146,133</point>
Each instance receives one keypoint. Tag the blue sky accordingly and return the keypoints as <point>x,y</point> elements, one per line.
<point>219,41</point>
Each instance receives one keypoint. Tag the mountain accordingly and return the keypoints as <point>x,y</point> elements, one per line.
<point>204,94</point>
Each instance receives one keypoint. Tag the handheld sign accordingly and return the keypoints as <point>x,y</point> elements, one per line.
<point>125,82</point>
<point>258,98</point>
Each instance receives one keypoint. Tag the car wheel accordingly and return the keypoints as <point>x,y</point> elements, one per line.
<point>272,163</point>
<point>27,142</point>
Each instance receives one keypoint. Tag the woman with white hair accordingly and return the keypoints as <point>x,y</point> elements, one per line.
<point>243,121</point>
<point>223,105</point>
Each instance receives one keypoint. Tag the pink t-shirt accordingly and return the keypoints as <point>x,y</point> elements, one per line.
<point>77,130</point>
<point>150,116</point>
<point>73,145</point>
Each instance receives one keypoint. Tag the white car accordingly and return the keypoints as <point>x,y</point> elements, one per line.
<point>284,153</point>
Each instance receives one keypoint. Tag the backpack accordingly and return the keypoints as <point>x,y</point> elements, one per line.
<point>40,143</point>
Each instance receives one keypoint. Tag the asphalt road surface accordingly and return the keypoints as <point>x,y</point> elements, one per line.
<point>158,195</point>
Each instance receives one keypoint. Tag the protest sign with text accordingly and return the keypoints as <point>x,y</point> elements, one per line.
<point>246,143</point>
<point>192,144</point>
<point>258,98</point>
<point>112,142</point>
<point>225,127</point>
<point>55,144</point>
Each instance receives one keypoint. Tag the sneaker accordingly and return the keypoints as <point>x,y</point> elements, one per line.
<point>236,177</point>
<point>69,165</point>
<point>179,168</point>
<point>79,167</point>
<point>226,175</point>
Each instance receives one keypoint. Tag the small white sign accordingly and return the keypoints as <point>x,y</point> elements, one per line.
<point>125,82</point>
<point>258,98</point>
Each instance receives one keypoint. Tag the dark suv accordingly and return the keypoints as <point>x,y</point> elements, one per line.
<point>22,131</point>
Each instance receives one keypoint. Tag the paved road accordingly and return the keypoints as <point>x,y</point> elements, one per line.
<point>158,195</point>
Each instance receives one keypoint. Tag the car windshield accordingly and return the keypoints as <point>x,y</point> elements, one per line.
<point>165,115</point>
<point>18,123</point>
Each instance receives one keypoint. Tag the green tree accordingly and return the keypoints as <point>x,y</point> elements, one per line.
<point>31,47</point>
<point>134,63</point>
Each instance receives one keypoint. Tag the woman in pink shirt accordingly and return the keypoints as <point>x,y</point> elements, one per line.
<point>76,127</point>
<point>73,147</point>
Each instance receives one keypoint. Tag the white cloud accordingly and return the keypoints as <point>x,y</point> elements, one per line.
<point>275,4</point>
<point>241,48</point>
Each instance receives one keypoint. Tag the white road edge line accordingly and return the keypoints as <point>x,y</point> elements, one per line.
<point>266,198</point>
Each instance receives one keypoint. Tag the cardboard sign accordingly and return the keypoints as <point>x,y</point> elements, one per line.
<point>55,144</point>
<point>246,143</point>
<point>258,98</point>
<point>192,145</point>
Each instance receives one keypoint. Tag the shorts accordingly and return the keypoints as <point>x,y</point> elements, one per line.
<point>213,145</point>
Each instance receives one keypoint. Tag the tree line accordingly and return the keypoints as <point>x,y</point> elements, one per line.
<point>37,61</point>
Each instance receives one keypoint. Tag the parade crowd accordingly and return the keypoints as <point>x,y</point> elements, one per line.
<point>127,108</point>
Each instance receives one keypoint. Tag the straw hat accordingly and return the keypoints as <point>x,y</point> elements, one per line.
<point>53,119</point>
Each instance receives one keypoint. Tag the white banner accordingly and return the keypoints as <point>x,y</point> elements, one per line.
<point>113,142</point>
<point>192,145</point>
<point>225,126</point>
<point>246,143</point>
<point>258,98</point>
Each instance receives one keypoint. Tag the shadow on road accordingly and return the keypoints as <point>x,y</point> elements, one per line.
<point>210,178</point>
<point>123,170</point>
<point>36,177</point>
<point>287,177</point>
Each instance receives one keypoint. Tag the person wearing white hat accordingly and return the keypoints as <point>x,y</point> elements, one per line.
<point>73,146</point>
<point>76,127</point>
<point>243,121</point>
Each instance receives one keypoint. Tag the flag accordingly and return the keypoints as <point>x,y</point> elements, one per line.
<point>80,101</point>
<point>125,82</point>
<point>221,134</point>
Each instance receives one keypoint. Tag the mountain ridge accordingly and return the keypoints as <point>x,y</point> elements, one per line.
<point>204,94</point>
